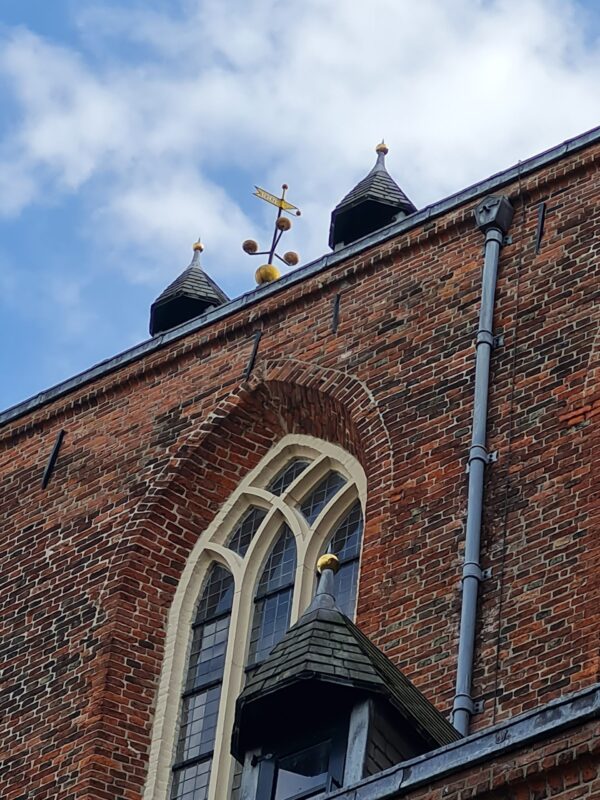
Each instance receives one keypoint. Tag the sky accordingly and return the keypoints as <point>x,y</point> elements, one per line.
<point>128,129</point>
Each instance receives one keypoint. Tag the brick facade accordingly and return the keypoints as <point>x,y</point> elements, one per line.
<point>153,448</point>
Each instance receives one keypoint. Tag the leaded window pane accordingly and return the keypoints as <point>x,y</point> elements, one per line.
<point>198,724</point>
<point>240,539</point>
<point>345,592</point>
<point>345,544</point>
<point>346,539</point>
<point>207,657</point>
<point>287,475</point>
<point>273,602</point>
<point>316,501</point>
<point>200,704</point>
<point>236,786</point>
<point>280,565</point>
<point>191,783</point>
<point>217,594</point>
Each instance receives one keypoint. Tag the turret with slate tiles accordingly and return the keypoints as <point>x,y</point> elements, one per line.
<point>376,201</point>
<point>190,295</point>
<point>326,688</point>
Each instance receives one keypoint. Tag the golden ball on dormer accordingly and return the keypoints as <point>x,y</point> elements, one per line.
<point>267,273</point>
<point>382,148</point>
<point>283,223</point>
<point>328,561</point>
<point>291,258</point>
<point>198,247</point>
<point>250,246</point>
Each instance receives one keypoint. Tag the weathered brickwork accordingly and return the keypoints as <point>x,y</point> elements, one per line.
<point>152,450</point>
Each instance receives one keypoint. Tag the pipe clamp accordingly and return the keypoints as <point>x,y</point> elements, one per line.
<point>479,453</point>
<point>472,570</point>
<point>485,337</point>
<point>462,702</point>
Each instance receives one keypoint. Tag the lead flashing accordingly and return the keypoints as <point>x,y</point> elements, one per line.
<point>308,270</point>
<point>522,731</point>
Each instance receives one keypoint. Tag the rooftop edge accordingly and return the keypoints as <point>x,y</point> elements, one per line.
<point>495,181</point>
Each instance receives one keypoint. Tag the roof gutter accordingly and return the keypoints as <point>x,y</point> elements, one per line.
<point>493,217</point>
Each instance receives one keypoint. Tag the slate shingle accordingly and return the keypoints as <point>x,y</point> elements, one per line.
<point>324,645</point>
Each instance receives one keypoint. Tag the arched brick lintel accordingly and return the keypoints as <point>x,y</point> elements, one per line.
<point>185,491</point>
<point>283,396</point>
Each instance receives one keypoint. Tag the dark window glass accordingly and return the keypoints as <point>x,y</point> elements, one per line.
<point>273,600</point>
<point>287,475</point>
<point>217,594</point>
<point>316,501</point>
<point>207,657</point>
<point>240,539</point>
<point>345,544</point>
<point>306,770</point>
<point>236,786</point>
<point>198,724</point>
<point>191,783</point>
<point>200,703</point>
<point>299,773</point>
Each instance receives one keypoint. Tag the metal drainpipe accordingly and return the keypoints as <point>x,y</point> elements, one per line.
<point>493,216</point>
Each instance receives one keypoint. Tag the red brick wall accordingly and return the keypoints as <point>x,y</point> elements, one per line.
<point>151,451</point>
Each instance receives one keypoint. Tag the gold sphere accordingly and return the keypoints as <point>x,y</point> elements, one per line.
<point>250,246</point>
<point>198,247</point>
<point>382,148</point>
<point>291,258</point>
<point>266,274</point>
<point>283,223</point>
<point>328,561</point>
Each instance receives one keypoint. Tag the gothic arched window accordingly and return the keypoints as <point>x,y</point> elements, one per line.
<point>273,598</point>
<point>202,688</point>
<point>249,577</point>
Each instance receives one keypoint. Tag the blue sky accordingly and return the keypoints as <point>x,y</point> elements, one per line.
<point>127,129</point>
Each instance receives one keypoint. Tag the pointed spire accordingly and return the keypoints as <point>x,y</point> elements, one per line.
<point>190,295</point>
<point>327,567</point>
<point>382,150</point>
<point>376,201</point>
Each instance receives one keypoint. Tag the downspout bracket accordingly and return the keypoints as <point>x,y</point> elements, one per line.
<point>487,337</point>
<point>480,453</point>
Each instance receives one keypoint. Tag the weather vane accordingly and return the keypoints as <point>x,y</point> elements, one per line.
<point>268,272</point>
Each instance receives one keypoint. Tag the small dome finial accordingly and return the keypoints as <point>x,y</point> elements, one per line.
<point>382,148</point>
<point>197,247</point>
<point>328,561</point>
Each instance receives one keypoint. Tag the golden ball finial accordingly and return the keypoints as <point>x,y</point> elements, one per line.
<point>198,247</point>
<point>267,273</point>
<point>328,561</point>
<point>382,148</point>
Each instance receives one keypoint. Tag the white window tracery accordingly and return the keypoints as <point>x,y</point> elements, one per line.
<point>249,577</point>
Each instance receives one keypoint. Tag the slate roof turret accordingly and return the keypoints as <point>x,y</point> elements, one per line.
<point>189,296</point>
<point>373,203</point>
<point>325,647</point>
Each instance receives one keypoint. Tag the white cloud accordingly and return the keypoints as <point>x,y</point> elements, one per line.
<point>156,110</point>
